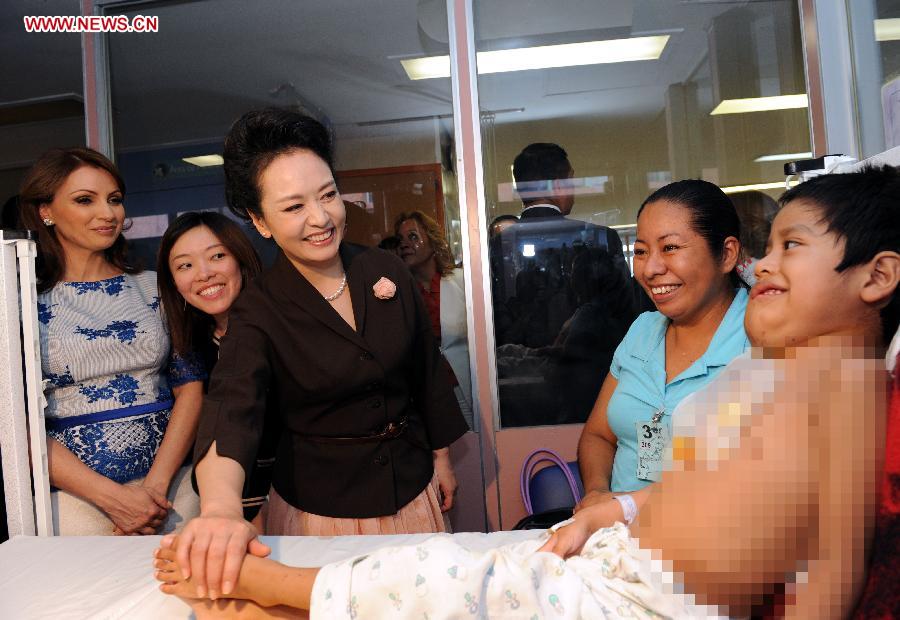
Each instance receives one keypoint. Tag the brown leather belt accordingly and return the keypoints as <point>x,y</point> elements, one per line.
<point>392,430</point>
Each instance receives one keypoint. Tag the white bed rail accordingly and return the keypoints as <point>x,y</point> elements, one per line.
<point>22,433</point>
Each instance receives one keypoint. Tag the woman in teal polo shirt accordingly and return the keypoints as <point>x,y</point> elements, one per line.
<point>684,257</point>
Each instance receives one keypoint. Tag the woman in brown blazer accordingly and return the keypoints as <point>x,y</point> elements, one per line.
<point>337,338</point>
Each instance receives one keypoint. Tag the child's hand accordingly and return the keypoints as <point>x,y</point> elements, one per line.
<point>568,540</point>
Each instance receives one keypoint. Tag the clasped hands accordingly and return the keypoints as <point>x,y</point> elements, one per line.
<point>137,509</point>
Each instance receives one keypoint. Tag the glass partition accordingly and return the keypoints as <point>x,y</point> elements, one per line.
<point>587,107</point>
<point>875,36</point>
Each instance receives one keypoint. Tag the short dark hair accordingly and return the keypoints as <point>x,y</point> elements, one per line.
<point>39,186</point>
<point>713,215</point>
<point>186,322</point>
<point>258,137</point>
<point>541,161</point>
<point>863,209</point>
<point>756,211</point>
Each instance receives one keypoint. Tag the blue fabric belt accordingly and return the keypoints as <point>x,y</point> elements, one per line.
<point>61,424</point>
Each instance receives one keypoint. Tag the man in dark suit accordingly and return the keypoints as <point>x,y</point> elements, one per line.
<point>535,298</point>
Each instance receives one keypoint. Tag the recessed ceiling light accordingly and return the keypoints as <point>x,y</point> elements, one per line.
<point>761,104</point>
<point>545,57</point>
<point>756,186</point>
<point>783,157</point>
<point>427,68</point>
<point>887,29</point>
<point>204,160</point>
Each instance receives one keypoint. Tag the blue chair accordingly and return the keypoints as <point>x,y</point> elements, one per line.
<point>555,487</point>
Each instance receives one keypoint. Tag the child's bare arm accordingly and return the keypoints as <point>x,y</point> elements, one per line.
<point>851,459</point>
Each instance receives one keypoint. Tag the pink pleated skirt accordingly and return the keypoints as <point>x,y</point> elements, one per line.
<point>420,516</point>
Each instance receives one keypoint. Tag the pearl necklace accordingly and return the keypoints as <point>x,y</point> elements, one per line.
<point>340,291</point>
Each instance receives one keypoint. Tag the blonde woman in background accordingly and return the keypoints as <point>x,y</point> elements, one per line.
<point>426,252</point>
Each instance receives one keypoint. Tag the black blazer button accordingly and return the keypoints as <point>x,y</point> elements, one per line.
<point>381,460</point>
<point>375,404</point>
<point>365,356</point>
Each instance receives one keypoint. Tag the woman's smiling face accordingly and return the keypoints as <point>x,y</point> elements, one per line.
<point>205,272</point>
<point>675,265</point>
<point>301,208</point>
<point>87,210</point>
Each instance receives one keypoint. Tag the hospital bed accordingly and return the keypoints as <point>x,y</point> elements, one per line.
<point>105,578</point>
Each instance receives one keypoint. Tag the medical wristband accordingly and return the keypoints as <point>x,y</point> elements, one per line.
<point>629,508</point>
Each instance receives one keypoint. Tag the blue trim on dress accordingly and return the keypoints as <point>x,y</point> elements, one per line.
<point>61,424</point>
<point>185,369</point>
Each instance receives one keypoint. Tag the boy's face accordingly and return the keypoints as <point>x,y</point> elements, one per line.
<point>798,294</point>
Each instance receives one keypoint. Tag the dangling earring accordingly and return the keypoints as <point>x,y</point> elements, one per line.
<point>47,221</point>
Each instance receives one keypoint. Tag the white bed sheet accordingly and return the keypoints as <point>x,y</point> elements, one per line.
<point>100,578</point>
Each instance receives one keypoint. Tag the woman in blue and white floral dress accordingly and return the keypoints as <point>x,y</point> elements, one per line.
<point>121,411</point>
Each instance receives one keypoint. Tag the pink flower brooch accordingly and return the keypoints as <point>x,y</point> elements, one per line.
<point>384,289</point>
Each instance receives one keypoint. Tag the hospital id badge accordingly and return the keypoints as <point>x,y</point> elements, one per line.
<point>652,441</point>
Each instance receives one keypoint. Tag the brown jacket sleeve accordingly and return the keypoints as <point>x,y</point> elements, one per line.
<point>235,406</point>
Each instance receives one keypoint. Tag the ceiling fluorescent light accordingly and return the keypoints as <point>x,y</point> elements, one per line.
<point>783,157</point>
<point>204,160</point>
<point>426,68</point>
<point>545,57</point>
<point>761,104</point>
<point>887,29</point>
<point>756,186</point>
<point>572,54</point>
